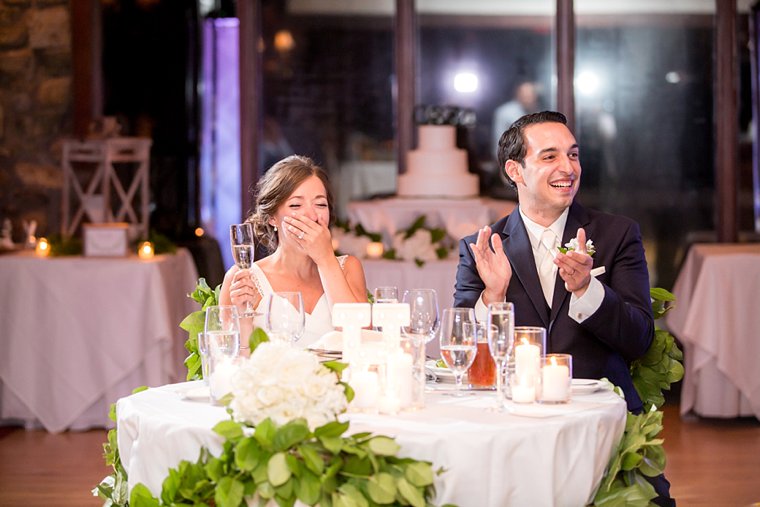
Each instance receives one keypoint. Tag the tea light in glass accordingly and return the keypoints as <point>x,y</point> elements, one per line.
<point>375,250</point>
<point>42,248</point>
<point>146,250</point>
<point>556,377</point>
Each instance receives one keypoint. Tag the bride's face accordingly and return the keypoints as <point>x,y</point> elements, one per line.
<point>308,200</point>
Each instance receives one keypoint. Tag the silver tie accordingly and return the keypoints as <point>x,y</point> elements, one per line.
<point>546,269</point>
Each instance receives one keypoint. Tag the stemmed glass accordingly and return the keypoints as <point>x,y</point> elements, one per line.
<point>222,339</point>
<point>500,331</point>
<point>241,241</point>
<point>285,317</point>
<point>423,318</point>
<point>459,342</point>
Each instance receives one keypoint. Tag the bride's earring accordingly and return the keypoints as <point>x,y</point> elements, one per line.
<point>275,228</point>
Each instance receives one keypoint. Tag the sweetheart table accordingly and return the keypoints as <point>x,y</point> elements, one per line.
<point>537,455</point>
<point>78,333</point>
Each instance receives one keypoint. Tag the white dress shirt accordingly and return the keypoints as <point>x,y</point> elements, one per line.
<point>580,308</point>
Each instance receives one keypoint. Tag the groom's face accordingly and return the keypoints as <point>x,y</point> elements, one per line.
<point>551,177</point>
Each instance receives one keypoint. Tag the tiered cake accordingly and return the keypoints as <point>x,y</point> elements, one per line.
<point>437,168</point>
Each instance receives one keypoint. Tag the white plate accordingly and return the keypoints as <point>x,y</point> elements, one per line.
<point>586,385</point>
<point>443,374</point>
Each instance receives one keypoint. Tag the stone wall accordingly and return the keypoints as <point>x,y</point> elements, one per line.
<point>35,110</point>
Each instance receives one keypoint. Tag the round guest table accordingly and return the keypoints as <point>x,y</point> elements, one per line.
<point>552,455</point>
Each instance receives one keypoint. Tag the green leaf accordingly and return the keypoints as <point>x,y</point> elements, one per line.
<point>419,473</point>
<point>308,489</point>
<point>142,497</point>
<point>290,434</point>
<point>383,446</point>
<point>311,458</point>
<point>382,488</point>
<point>356,466</point>
<point>214,469</point>
<point>248,454</point>
<point>350,495</point>
<point>258,336</point>
<point>228,492</point>
<point>410,493</point>
<point>332,444</point>
<point>336,366</point>
<point>230,430</point>
<point>278,472</point>
<point>630,461</point>
<point>331,429</point>
<point>265,432</point>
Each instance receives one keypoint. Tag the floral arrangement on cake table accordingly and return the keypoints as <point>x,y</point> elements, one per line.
<point>418,242</point>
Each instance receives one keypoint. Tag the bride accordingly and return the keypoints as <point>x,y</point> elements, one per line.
<point>293,209</point>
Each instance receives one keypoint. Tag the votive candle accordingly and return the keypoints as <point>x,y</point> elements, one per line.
<point>375,250</point>
<point>555,378</point>
<point>42,249</point>
<point>146,250</point>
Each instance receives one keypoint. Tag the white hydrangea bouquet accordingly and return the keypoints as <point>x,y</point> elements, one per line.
<point>420,243</point>
<point>284,383</point>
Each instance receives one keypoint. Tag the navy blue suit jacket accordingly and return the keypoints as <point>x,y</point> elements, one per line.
<point>620,331</point>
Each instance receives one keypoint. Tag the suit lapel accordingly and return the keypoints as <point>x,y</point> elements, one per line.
<point>520,255</point>
<point>577,217</point>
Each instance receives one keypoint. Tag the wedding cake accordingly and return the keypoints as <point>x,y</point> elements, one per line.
<point>437,168</point>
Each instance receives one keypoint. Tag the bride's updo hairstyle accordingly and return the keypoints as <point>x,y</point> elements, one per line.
<point>275,187</point>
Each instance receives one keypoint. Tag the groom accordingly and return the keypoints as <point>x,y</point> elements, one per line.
<point>604,321</point>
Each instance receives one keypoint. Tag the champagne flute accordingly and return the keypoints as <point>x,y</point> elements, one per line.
<point>423,314</point>
<point>285,317</point>
<point>458,341</point>
<point>500,329</point>
<point>241,240</point>
<point>222,339</point>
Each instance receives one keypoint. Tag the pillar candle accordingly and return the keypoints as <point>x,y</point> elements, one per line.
<point>555,381</point>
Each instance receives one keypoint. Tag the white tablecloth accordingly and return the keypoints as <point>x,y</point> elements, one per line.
<point>79,333</point>
<point>551,456</point>
<point>717,319</point>
<point>460,217</point>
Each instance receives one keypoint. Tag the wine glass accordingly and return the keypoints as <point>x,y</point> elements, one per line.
<point>500,331</point>
<point>285,317</point>
<point>459,342</point>
<point>222,340</point>
<point>241,240</point>
<point>423,314</point>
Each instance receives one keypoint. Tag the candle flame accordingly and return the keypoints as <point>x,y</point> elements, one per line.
<point>553,361</point>
<point>524,341</point>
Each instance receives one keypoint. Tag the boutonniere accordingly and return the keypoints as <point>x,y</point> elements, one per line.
<point>573,245</point>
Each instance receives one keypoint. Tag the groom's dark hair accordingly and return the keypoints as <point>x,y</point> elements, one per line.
<point>512,142</point>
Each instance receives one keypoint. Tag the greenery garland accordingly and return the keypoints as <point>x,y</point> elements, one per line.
<point>640,453</point>
<point>326,468</point>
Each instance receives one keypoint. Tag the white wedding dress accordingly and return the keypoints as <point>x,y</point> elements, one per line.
<point>318,322</point>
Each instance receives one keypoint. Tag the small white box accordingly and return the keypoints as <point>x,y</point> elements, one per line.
<point>106,240</point>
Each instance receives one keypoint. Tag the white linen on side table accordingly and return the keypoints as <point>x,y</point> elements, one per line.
<point>715,318</point>
<point>490,458</point>
<point>78,333</point>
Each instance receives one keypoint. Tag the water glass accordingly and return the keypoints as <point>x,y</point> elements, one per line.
<point>458,340</point>
<point>386,295</point>
<point>285,317</point>
<point>423,314</point>
<point>500,331</point>
<point>222,341</point>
